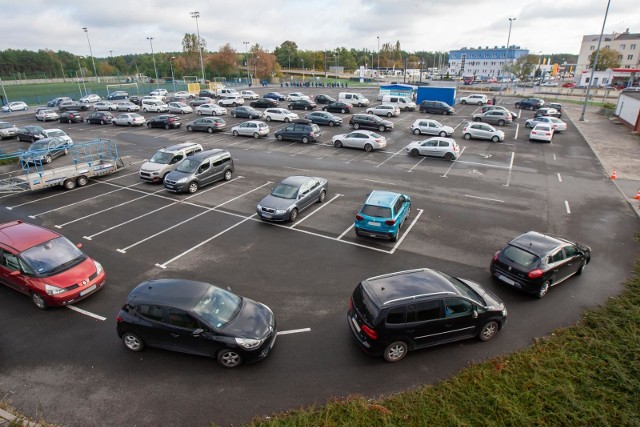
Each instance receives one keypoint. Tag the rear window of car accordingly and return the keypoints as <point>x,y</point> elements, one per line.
<point>520,256</point>
<point>376,211</point>
<point>363,304</point>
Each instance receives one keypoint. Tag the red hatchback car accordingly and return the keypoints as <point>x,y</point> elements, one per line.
<point>46,266</point>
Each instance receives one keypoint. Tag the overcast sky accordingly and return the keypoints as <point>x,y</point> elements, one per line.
<point>121,26</point>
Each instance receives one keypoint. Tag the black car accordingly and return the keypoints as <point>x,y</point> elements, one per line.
<point>300,130</point>
<point>394,313</point>
<point>207,124</point>
<point>30,133</point>
<point>369,121</point>
<point>167,121</point>
<point>436,107</point>
<point>264,103</point>
<point>56,101</point>
<point>302,104</point>
<point>324,99</point>
<point>533,262</point>
<point>135,99</point>
<point>71,117</point>
<point>207,93</point>
<point>323,118</point>
<point>530,103</point>
<point>275,95</point>
<point>196,318</point>
<point>119,94</point>
<point>99,117</point>
<point>338,107</point>
<point>246,112</point>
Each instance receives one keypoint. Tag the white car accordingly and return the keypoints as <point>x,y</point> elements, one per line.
<point>479,130</point>
<point>474,99</point>
<point>254,128</point>
<point>15,106</point>
<point>549,84</point>
<point>231,101</point>
<point>364,139</point>
<point>179,108</point>
<point>58,133</point>
<point>557,124</point>
<point>45,115</point>
<point>210,110</point>
<point>384,110</point>
<point>249,94</point>
<point>279,114</point>
<point>7,130</point>
<point>183,94</point>
<point>296,96</point>
<point>105,106</point>
<point>128,119</point>
<point>437,147</point>
<point>542,132</point>
<point>158,92</point>
<point>90,98</point>
<point>430,127</point>
<point>127,106</point>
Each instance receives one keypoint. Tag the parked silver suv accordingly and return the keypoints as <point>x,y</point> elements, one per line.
<point>495,117</point>
<point>166,159</point>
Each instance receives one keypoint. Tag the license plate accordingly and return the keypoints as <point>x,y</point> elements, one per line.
<point>355,324</point>
<point>89,289</point>
<point>374,224</point>
<point>506,280</point>
<point>266,215</point>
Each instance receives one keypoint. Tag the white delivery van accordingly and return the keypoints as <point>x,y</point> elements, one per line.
<point>404,103</point>
<point>154,105</point>
<point>353,98</point>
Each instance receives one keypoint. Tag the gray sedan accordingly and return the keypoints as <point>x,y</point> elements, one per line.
<point>293,195</point>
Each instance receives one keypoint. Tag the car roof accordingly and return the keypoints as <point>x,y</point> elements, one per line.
<point>296,180</point>
<point>381,198</point>
<point>206,154</point>
<point>181,146</point>
<point>537,243</point>
<point>177,293</point>
<point>440,138</point>
<point>403,285</point>
<point>22,235</point>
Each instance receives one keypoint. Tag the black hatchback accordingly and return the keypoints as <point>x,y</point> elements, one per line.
<point>369,121</point>
<point>167,121</point>
<point>533,262</point>
<point>338,107</point>
<point>71,117</point>
<point>302,104</point>
<point>394,313</point>
<point>196,318</point>
<point>99,117</point>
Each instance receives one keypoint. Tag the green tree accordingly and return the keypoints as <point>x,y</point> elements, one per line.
<point>287,53</point>
<point>607,58</point>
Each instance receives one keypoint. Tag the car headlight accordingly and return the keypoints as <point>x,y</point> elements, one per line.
<point>259,207</point>
<point>281,211</point>
<point>182,180</point>
<point>53,290</point>
<point>99,268</point>
<point>248,343</point>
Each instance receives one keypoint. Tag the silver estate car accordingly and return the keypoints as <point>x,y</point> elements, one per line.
<point>293,195</point>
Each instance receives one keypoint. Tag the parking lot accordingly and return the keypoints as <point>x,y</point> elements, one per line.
<point>463,211</point>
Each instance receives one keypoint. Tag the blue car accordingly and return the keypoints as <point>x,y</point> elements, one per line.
<point>382,215</point>
<point>275,95</point>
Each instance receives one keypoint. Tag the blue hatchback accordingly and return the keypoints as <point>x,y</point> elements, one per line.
<point>382,215</point>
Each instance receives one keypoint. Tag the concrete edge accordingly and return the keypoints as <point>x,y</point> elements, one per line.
<point>9,417</point>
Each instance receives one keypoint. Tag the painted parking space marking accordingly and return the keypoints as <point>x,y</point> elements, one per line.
<point>484,198</point>
<point>312,213</point>
<point>294,331</point>
<point>566,206</point>
<point>86,313</point>
<point>417,164</point>
<point>513,155</point>
<point>391,157</point>
<point>357,157</point>
<point>346,231</point>
<point>454,162</point>
<point>517,128</point>
<point>380,182</point>
<point>281,147</point>
<point>313,147</point>
<point>559,177</point>
<point>406,232</point>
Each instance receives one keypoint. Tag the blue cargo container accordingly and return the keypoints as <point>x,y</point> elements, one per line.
<point>431,93</point>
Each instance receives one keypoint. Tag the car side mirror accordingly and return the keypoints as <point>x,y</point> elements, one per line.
<point>475,313</point>
<point>197,332</point>
<point>15,273</point>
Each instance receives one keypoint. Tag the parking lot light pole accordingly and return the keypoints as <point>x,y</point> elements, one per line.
<point>173,79</point>
<point>196,15</point>
<point>378,56</point>
<point>246,58</point>
<point>506,58</point>
<point>95,71</point>
<point>154,61</point>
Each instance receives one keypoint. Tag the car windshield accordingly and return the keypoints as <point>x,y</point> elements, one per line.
<point>188,166</point>
<point>53,256</point>
<point>5,125</point>
<point>161,158</point>
<point>285,191</point>
<point>376,211</point>
<point>53,133</point>
<point>38,146</point>
<point>218,306</point>
<point>520,256</point>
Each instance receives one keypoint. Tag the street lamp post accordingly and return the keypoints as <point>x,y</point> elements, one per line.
<point>173,79</point>
<point>95,71</point>
<point>595,63</point>
<point>196,15</point>
<point>81,76</point>
<point>255,65</point>
<point>246,58</point>
<point>378,56</point>
<point>154,61</point>
<point>506,59</point>
<point>302,69</point>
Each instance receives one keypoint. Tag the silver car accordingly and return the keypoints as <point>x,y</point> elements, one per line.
<point>293,195</point>
<point>482,131</point>
<point>430,127</point>
<point>436,147</point>
<point>496,117</point>
<point>254,128</point>
<point>128,119</point>
<point>179,108</point>
<point>364,139</point>
<point>127,106</point>
<point>7,130</point>
<point>557,124</point>
<point>384,110</point>
<point>104,106</point>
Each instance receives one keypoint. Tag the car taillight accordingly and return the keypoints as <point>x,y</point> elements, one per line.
<point>535,273</point>
<point>119,319</point>
<point>170,120</point>
<point>359,217</point>
<point>369,332</point>
<point>496,255</point>
<point>378,140</point>
<point>390,222</point>
<point>311,134</point>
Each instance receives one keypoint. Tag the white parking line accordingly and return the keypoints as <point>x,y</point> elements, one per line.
<point>406,232</point>
<point>281,148</point>
<point>294,331</point>
<point>310,214</point>
<point>484,198</point>
<point>345,231</point>
<point>357,157</point>
<point>86,313</point>
<point>566,205</point>
<point>124,250</point>
<point>331,153</point>
<point>461,122</point>
<point>559,177</point>
<point>517,128</point>
<point>513,155</point>
<point>380,182</point>
<point>389,158</point>
<point>417,164</point>
<point>454,162</point>
<point>313,147</point>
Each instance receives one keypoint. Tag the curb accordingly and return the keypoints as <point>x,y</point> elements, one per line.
<point>7,419</point>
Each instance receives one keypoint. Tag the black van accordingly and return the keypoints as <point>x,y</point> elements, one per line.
<point>394,313</point>
<point>436,107</point>
<point>201,169</point>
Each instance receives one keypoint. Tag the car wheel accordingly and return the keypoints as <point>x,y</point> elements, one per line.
<point>343,111</point>
<point>477,119</point>
<point>286,120</point>
<point>448,113</point>
<point>414,152</point>
<point>210,130</point>
<point>368,148</point>
<point>114,123</point>
<point>256,135</point>
<point>132,342</point>
<point>193,187</point>
<point>322,197</point>
<point>389,114</point>
<point>331,124</point>
<point>293,215</point>
<point>527,124</point>
<point>228,175</point>
<point>305,140</point>
<point>82,180</point>
<point>129,124</point>
<point>495,139</point>
<point>189,129</point>
<point>443,134</point>
<point>129,110</point>
<point>337,144</point>
<point>544,289</point>
<point>324,108</point>
<point>144,109</point>
<point>394,237</point>
<point>381,128</point>
<point>38,301</point>
<point>356,126</point>
<point>582,267</point>
<point>229,358</point>
<point>268,118</point>
<point>167,126</point>
<point>467,136</point>
<point>479,103</point>
<point>488,331</point>
<point>501,123</point>
<point>464,102</point>
<point>396,351</point>
<point>234,133</point>
<point>449,156</point>
<point>149,125</point>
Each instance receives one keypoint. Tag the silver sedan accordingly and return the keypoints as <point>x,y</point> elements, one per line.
<point>364,139</point>
<point>293,195</point>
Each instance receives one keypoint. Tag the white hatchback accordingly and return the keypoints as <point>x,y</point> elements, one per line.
<point>279,114</point>
<point>384,110</point>
<point>249,94</point>
<point>254,128</point>
<point>430,127</point>
<point>437,147</point>
<point>296,96</point>
<point>474,99</point>
<point>231,101</point>
<point>210,110</point>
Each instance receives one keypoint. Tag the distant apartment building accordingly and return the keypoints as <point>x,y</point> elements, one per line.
<point>484,62</point>
<point>626,44</point>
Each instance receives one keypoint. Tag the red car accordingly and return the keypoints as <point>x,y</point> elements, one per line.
<point>46,266</point>
<point>569,85</point>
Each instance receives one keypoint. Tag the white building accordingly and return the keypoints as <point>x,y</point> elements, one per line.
<point>626,44</point>
<point>484,62</point>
